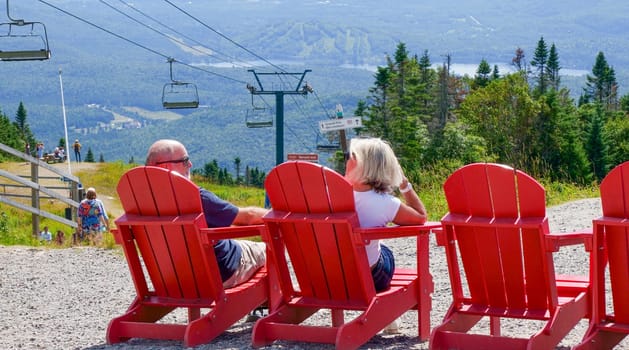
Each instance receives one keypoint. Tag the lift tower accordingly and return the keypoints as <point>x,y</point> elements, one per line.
<point>301,88</point>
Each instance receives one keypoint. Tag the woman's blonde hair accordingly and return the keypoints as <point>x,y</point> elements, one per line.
<point>376,164</point>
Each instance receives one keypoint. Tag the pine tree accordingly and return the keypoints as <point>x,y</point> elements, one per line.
<point>101,158</point>
<point>89,158</point>
<point>495,73</point>
<point>573,157</point>
<point>483,72</point>
<point>602,87</point>
<point>211,171</point>
<point>400,68</point>
<point>552,68</point>
<point>378,112</point>
<point>596,146</point>
<point>24,130</point>
<point>9,134</point>
<point>540,61</point>
<point>425,92</point>
<point>616,133</point>
<point>237,164</point>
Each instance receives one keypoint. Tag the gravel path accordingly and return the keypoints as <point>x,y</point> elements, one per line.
<point>64,298</point>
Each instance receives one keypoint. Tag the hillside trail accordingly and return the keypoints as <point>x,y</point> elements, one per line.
<point>110,200</point>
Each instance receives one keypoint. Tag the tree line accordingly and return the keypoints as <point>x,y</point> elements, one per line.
<point>211,172</point>
<point>17,134</point>
<point>523,118</point>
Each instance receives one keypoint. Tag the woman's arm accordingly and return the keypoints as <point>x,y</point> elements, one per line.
<point>412,210</point>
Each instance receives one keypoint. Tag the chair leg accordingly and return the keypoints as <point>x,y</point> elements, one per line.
<point>565,318</point>
<point>337,318</point>
<point>494,326</point>
<point>454,322</point>
<point>262,334</point>
<point>597,339</point>
<point>138,313</point>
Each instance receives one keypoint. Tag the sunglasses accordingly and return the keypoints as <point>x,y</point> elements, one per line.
<point>185,159</point>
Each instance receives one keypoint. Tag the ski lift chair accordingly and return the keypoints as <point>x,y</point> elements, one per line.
<point>23,41</point>
<point>328,145</point>
<point>178,94</point>
<point>258,117</point>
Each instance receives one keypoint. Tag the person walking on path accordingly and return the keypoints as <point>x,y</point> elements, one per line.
<point>92,218</point>
<point>40,150</point>
<point>77,150</point>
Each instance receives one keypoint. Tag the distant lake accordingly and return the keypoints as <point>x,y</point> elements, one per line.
<point>470,69</point>
<point>456,68</point>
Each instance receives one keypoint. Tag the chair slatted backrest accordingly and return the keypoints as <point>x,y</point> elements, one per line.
<point>313,219</point>
<point>498,217</point>
<point>162,218</point>
<point>615,203</point>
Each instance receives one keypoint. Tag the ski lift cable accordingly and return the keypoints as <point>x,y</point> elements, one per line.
<point>299,107</point>
<point>213,73</point>
<point>136,43</point>
<point>151,28</point>
<point>316,131</point>
<point>104,29</point>
<point>224,36</point>
<point>321,103</point>
<point>229,59</point>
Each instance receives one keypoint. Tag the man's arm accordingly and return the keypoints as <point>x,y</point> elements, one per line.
<point>249,216</point>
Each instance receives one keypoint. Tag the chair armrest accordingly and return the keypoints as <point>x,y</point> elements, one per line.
<point>556,240</point>
<point>372,233</point>
<point>211,235</point>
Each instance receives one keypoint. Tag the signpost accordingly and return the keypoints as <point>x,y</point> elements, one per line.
<point>310,157</point>
<point>340,124</point>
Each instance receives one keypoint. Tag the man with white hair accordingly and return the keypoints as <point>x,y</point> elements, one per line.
<point>238,259</point>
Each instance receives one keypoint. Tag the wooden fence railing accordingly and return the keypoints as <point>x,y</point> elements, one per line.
<point>73,185</point>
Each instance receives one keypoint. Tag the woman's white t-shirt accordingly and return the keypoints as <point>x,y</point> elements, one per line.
<point>375,210</point>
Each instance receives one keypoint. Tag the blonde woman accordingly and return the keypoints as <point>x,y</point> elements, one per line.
<point>375,173</point>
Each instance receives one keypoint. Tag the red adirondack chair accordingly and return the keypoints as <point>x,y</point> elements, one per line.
<point>611,246</point>
<point>498,230</point>
<point>314,229</point>
<point>166,241</point>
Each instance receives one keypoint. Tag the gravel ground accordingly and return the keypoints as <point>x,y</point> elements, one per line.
<point>64,298</point>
